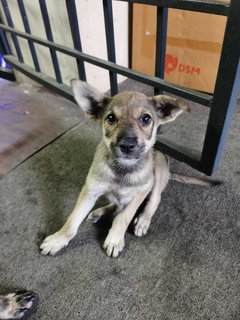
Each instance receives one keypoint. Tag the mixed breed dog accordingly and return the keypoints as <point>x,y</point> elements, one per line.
<point>126,170</point>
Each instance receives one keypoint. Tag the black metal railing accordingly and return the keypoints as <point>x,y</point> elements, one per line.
<point>5,69</point>
<point>221,103</point>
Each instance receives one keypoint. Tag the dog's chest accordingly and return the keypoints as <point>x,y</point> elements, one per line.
<point>123,195</point>
<point>121,191</point>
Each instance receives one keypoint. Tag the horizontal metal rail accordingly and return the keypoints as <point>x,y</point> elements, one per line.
<point>206,6</point>
<point>193,95</point>
<point>7,74</point>
<point>181,153</point>
<point>47,81</point>
<point>221,103</point>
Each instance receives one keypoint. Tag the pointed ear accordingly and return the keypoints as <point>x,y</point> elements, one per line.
<point>168,108</point>
<point>90,100</point>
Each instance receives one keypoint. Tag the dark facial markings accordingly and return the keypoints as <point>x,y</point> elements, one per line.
<point>107,133</point>
<point>97,107</point>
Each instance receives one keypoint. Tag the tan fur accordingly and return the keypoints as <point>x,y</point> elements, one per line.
<point>126,169</point>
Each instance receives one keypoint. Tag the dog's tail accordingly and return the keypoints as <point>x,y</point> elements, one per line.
<point>204,182</point>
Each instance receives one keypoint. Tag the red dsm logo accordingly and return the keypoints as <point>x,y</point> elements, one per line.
<point>172,63</point>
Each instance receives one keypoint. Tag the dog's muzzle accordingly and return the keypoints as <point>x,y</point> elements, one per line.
<point>128,145</point>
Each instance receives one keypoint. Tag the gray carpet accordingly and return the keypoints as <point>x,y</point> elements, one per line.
<point>187,267</point>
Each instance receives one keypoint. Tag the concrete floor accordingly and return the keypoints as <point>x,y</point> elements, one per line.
<point>31,118</point>
<point>186,267</point>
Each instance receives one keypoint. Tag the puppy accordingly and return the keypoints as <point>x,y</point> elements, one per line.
<point>126,168</point>
<point>16,305</point>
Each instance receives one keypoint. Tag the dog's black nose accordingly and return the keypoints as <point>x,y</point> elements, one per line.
<point>127,144</point>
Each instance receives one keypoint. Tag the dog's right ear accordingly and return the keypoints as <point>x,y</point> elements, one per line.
<point>90,100</point>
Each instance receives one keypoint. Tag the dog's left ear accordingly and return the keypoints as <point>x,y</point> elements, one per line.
<point>90,100</point>
<point>168,108</point>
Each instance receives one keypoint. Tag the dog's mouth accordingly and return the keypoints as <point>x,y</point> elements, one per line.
<point>126,157</point>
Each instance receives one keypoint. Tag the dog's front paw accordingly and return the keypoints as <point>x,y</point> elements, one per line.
<point>18,304</point>
<point>113,245</point>
<point>142,224</point>
<point>54,243</point>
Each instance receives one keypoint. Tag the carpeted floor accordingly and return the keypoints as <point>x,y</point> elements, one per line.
<point>186,268</point>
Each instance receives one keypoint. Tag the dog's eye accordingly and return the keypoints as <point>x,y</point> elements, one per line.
<point>145,119</point>
<point>111,119</point>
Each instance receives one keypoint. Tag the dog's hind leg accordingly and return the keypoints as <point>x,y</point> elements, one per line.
<point>95,215</point>
<point>161,177</point>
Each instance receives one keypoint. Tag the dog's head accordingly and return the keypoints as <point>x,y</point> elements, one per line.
<point>129,119</point>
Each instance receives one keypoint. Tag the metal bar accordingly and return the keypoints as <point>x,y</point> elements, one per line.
<point>48,30</point>
<point>7,74</point>
<point>28,30</point>
<point>49,82</point>
<point>179,152</point>
<point>207,6</point>
<point>188,155</point>
<point>225,93</point>
<point>10,23</point>
<point>130,34</point>
<point>3,43</point>
<point>161,42</point>
<point>109,29</point>
<point>73,20</point>
<point>193,95</point>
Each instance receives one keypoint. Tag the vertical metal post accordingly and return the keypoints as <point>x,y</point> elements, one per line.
<point>225,93</point>
<point>108,18</point>
<point>48,30</point>
<point>10,24</point>
<point>3,43</point>
<point>5,73</point>
<point>73,20</point>
<point>28,30</point>
<point>161,42</point>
